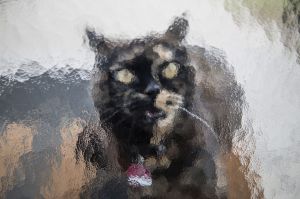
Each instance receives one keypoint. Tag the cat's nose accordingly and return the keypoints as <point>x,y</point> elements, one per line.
<point>152,88</point>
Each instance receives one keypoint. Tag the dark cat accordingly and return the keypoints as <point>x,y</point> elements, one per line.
<point>141,89</point>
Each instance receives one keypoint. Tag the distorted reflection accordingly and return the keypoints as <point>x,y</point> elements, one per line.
<point>159,115</point>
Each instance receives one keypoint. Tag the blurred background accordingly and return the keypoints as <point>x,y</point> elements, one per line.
<point>45,69</point>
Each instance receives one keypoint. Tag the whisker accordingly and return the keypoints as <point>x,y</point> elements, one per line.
<point>132,108</point>
<point>113,108</point>
<point>201,120</point>
<point>125,118</point>
<point>110,116</point>
<point>120,108</point>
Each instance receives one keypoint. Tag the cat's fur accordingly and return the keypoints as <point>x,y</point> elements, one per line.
<point>138,92</point>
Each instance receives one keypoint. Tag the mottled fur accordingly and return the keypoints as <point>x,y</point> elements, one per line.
<point>139,106</point>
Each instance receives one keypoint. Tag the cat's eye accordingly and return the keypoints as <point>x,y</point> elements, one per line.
<point>170,71</point>
<point>125,76</point>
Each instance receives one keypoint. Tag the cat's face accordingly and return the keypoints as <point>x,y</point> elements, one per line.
<point>143,81</point>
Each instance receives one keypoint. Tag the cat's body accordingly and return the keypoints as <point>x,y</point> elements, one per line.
<point>140,87</point>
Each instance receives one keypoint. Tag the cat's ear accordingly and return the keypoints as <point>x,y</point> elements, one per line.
<point>178,29</point>
<point>98,43</point>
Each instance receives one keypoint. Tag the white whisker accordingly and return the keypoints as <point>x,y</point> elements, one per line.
<point>201,120</point>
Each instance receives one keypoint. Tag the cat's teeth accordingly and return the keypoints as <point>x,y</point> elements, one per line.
<point>156,114</point>
<point>148,114</point>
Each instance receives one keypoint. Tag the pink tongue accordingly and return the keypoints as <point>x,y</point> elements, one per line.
<point>138,175</point>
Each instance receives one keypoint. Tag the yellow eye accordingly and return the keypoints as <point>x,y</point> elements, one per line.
<point>170,71</point>
<point>125,76</point>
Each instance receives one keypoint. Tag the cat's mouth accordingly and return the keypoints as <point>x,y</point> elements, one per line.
<point>154,113</point>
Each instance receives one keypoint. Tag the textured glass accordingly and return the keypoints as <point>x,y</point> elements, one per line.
<point>240,100</point>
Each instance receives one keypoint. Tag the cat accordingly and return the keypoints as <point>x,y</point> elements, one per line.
<point>144,90</point>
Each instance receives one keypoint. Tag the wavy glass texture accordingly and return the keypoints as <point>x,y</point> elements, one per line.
<point>46,101</point>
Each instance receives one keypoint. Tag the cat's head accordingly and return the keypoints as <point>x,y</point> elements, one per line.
<point>145,80</point>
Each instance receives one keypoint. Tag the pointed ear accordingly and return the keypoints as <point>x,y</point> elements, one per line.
<point>98,43</point>
<point>178,29</point>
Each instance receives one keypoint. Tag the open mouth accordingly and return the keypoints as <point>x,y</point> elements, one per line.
<point>154,113</point>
